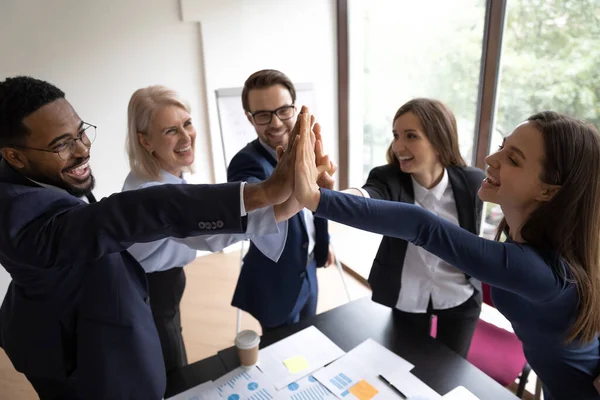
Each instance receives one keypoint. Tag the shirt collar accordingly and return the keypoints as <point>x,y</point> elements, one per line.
<point>271,151</point>
<point>168,177</point>
<point>437,191</point>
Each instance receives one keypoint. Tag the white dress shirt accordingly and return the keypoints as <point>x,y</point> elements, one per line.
<point>425,276</point>
<point>309,220</point>
<point>161,255</point>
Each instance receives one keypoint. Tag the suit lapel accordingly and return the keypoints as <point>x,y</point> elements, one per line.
<point>407,192</point>
<point>462,197</point>
<point>91,198</point>
<point>264,153</point>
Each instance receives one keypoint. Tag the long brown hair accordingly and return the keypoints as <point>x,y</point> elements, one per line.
<point>572,160</point>
<point>440,127</point>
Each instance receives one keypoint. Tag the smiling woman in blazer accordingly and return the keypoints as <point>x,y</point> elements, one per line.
<point>425,168</point>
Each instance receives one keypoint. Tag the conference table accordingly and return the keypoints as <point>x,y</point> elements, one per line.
<point>348,326</point>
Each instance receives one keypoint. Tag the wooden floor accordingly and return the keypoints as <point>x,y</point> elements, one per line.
<point>208,320</point>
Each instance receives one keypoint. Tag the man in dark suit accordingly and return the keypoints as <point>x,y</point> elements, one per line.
<point>76,318</point>
<point>283,292</point>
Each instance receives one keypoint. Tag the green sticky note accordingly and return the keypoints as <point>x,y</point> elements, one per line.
<point>296,364</point>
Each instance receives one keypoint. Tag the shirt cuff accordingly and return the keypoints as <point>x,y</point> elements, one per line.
<point>363,192</point>
<point>242,206</point>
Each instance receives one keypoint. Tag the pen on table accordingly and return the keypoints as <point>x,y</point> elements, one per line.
<point>394,388</point>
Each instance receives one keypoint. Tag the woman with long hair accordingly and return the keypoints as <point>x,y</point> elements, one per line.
<point>425,168</point>
<point>545,277</point>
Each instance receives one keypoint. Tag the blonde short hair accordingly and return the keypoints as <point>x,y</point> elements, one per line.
<point>142,106</point>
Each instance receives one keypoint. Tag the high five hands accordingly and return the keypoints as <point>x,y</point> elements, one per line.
<point>313,169</point>
<point>303,163</point>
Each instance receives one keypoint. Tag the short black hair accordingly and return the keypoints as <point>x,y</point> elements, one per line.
<point>21,96</point>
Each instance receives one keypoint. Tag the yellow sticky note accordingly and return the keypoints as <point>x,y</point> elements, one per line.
<point>296,364</point>
<point>363,390</point>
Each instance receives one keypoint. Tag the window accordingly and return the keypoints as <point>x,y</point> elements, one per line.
<point>400,50</point>
<point>550,58</point>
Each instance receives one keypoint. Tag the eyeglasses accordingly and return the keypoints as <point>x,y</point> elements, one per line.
<point>283,113</point>
<point>66,147</point>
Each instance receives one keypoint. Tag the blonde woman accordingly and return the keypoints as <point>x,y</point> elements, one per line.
<point>160,144</point>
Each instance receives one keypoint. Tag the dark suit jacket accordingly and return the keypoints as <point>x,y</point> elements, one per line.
<point>388,182</point>
<point>77,310</point>
<point>268,290</point>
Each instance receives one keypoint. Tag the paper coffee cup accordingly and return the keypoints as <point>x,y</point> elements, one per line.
<point>247,346</point>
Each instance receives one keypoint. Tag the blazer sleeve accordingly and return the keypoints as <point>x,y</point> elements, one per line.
<point>511,266</point>
<point>377,185</point>
<point>63,231</point>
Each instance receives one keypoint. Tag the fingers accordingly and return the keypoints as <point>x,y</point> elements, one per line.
<point>280,152</point>
<point>317,131</point>
<point>319,151</point>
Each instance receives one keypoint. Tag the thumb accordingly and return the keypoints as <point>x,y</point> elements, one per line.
<point>279,152</point>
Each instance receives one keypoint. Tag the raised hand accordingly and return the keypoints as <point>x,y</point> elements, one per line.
<point>280,185</point>
<point>326,166</point>
<point>306,189</point>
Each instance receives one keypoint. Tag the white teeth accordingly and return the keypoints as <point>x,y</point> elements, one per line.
<point>492,181</point>
<point>404,158</point>
<point>80,168</point>
<point>183,150</point>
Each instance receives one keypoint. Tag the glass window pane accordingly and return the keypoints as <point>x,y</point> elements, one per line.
<point>400,50</point>
<point>550,59</point>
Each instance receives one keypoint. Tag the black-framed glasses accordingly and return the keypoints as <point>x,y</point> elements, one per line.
<point>66,147</point>
<point>283,113</point>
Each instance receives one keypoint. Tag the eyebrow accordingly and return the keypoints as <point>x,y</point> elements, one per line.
<point>518,151</point>
<point>409,130</point>
<point>63,136</point>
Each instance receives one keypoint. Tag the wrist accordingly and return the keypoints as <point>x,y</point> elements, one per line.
<point>255,196</point>
<point>314,201</point>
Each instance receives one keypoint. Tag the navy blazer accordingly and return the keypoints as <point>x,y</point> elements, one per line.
<point>268,290</point>
<point>77,310</point>
<point>388,182</point>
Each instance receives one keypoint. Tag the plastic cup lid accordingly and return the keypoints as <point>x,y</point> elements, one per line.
<point>247,340</point>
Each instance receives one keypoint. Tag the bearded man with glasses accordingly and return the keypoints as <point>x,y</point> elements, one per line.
<point>283,292</point>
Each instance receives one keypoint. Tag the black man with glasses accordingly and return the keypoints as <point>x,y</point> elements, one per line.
<point>76,319</point>
<point>283,292</point>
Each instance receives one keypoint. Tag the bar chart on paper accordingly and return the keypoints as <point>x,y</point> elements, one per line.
<point>245,385</point>
<point>305,389</point>
<point>340,381</point>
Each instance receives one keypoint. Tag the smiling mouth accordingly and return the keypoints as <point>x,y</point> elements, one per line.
<point>80,171</point>
<point>405,158</point>
<point>491,181</point>
<point>184,149</point>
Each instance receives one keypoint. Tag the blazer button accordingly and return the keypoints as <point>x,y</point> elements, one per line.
<point>305,246</point>
<point>220,224</point>
<point>302,274</point>
<point>147,299</point>
<point>214,225</point>
<point>201,225</point>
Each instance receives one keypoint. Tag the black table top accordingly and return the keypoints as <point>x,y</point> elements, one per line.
<point>209,369</point>
<point>350,325</point>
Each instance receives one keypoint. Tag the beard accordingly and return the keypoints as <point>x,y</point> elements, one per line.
<point>81,191</point>
<point>57,181</point>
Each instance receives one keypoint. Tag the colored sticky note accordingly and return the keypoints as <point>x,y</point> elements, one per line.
<point>296,364</point>
<point>363,390</point>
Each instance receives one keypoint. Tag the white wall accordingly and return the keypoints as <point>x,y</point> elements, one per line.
<point>296,37</point>
<point>99,52</point>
